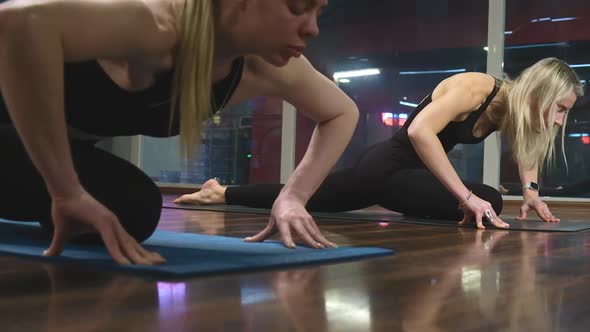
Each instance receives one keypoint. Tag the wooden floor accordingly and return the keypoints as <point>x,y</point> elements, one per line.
<point>441,279</point>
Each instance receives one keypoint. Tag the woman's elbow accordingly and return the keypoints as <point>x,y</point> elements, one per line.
<point>347,112</point>
<point>13,24</point>
<point>351,110</point>
<point>4,23</point>
<point>354,112</point>
<point>8,30</point>
<point>421,136</point>
<point>413,132</point>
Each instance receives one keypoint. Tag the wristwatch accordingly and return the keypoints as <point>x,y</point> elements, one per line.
<point>531,185</point>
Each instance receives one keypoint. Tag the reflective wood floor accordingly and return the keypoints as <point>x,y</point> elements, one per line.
<point>441,279</point>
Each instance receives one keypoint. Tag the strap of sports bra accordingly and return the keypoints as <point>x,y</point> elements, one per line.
<point>490,97</point>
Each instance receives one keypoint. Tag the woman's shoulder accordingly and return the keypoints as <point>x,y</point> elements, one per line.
<point>93,29</point>
<point>475,84</point>
<point>475,80</point>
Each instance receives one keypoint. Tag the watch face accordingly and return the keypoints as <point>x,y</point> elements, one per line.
<point>535,186</point>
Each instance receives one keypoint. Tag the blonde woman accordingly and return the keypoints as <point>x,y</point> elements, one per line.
<point>100,68</point>
<point>411,173</point>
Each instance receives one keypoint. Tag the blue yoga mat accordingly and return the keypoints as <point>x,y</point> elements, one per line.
<point>186,254</point>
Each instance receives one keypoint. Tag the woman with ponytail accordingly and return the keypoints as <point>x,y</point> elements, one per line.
<point>75,71</point>
<point>411,173</point>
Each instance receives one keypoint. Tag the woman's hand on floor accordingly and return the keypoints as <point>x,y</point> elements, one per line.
<point>289,215</point>
<point>475,208</point>
<point>533,202</point>
<point>81,214</point>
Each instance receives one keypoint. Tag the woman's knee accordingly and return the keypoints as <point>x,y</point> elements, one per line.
<point>139,216</point>
<point>123,188</point>
<point>142,216</point>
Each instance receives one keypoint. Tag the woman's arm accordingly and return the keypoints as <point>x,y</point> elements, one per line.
<point>336,116</point>
<point>531,198</point>
<point>37,38</point>
<point>456,100</point>
<point>423,135</point>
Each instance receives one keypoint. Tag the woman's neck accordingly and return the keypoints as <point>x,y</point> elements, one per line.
<point>225,53</point>
<point>233,37</point>
<point>221,69</point>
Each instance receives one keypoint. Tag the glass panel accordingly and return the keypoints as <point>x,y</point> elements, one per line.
<point>241,145</point>
<point>414,45</point>
<point>539,29</point>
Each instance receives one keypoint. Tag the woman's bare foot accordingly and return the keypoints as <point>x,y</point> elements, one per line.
<point>211,193</point>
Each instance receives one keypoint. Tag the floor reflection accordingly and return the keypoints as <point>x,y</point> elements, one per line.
<point>75,305</point>
<point>479,285</point>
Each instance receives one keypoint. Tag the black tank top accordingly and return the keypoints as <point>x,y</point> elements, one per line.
<point>454,133</point>
<point>95,105</point>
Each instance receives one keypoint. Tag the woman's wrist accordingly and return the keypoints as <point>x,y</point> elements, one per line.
<point>529,194</point>
<point>291,195</point>
<point>66,188</point>
<point>463,202</point>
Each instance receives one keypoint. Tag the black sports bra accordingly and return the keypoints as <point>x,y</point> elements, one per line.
<point>95,105</point>
<point>454,132</point>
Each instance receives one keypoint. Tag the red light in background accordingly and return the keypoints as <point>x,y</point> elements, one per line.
<point>403,117</point>
<point>387,119</point>
<point>391,119</point>
<point>585,139</point>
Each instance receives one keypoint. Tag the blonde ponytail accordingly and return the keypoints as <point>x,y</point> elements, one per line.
<point>191,90</point>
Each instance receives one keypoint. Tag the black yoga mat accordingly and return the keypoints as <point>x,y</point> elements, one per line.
<point>387,216</point>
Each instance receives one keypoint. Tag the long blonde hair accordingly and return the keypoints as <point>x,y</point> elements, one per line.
<point>537,89</point>
<point>191,89</point>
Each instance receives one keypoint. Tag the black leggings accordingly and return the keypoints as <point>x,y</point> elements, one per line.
<point>376,179</point>
<point>115,182</point>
